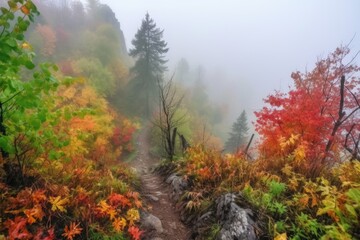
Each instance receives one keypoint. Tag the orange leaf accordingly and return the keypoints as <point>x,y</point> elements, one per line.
<point>112,213</point>
<point>119,224</point>
<point>25,10</point>
<point>304,200</point>
<point>119,200</point>
<point>38,196</point>
<point>36,213</point>
<point>72,230</point>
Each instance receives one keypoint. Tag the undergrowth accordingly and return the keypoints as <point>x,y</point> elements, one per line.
<point>293,205</point>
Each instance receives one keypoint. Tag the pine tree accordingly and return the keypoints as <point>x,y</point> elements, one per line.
<point>149,50</point>
<point>238,136</point>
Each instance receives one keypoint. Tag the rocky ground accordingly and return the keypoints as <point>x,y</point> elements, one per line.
<point>160,218</point>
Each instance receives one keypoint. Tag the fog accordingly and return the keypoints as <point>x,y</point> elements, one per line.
<point>247,48</point>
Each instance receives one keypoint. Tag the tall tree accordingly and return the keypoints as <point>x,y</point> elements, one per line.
<point>238,135</point>
<point>149,50</point>
<point>183,70</point>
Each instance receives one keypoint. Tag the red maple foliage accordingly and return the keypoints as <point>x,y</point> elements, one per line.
<point>321,110</point>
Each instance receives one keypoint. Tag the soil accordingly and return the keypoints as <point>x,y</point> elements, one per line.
<point>156,195</point>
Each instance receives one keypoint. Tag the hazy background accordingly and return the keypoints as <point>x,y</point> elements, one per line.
<point>247,48</point>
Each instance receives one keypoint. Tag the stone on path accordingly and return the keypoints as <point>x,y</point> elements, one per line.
<point>152,222</point>
<point>152,197</point>
<point>178,185</point>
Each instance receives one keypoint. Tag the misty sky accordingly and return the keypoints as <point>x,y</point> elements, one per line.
<point>248,47</point>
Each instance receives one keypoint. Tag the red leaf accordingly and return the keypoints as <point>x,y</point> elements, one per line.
<point>135,232</point>
<point>17,228</point>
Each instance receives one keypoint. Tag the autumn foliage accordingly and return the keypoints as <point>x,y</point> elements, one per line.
<point>316,117</point>
<point>305,182</point>
<point>61,175</point>
<point>290,204</point>
<point>78,180</point>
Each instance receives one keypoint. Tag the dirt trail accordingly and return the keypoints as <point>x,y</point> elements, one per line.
<point>156,194</point>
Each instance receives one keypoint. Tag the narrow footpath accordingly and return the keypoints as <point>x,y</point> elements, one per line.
<point>156,196</point>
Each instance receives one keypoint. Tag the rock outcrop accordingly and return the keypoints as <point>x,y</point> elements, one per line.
<point>178,185</point>
<point>236,222</point>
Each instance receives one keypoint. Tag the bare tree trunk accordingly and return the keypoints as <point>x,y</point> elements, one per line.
<point>4,153</point>
<point>248,146</point>
<point>168,122</point>
<point>340,120</point>
<point>184,143</point>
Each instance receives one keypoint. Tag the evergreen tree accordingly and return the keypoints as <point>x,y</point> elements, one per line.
<point>183,70</point>
<point>149,50</point>
<point>238,135</point>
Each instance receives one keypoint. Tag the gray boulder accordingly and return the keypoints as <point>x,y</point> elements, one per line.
<point>178,185</point>
<point>151,222</point>
<point>236,221</point>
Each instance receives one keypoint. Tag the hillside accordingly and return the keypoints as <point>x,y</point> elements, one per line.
<point>96,142</point>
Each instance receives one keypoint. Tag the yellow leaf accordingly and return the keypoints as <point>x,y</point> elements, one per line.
<point>132,215</point>
<point>103,206</point>
<point>282,236</point>
<point>300,153</point>
<point>58,203</point>
<point>287,170</point>
<point>119,224</point>
<point>69,93</point>
<point>26,45</point>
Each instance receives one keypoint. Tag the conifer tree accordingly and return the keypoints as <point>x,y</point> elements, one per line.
<point>238,135</point>
<point>148,51</point>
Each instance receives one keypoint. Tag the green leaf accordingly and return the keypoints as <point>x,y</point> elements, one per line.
<point>4,143</point>
<point>23,25</point>
<point>29,65</point>
<point>66,143</point>
<point>53,155</point>
<point>354,194</point>
<point>351,210</point>
<point>12,4</point>
<point>13,86</point>
<point>55,67</point>
<point>20,37</point>
<point>11,42</point>
<point>4,10</point>
<point>42,116</point>
<point>67,114</point>
<point>35,123</point>
<point>5,48</point>
<point>4,57</point>
<point>11,15</point>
